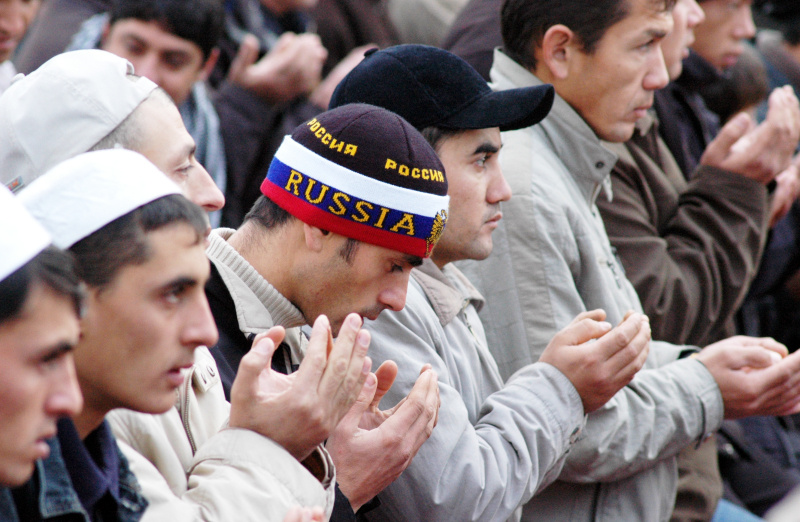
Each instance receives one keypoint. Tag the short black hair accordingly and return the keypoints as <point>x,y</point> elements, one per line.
<point>435,136</point>
<point>102,254</point>
<point>525,22</point>
<point>199,21</point>
<point>53,268</point>
<point>269,215</point>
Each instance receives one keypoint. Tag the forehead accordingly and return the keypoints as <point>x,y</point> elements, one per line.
<point>174,251</point>
<point>154,35</point>
<point>645,19</point>
<point>164,134</point>
<point>46,319</point>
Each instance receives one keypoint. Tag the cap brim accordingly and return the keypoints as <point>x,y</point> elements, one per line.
<point>510,109</point>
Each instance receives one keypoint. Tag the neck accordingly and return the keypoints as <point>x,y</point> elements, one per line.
<point>269,252</point>
<point>90,417</point>
<point>441,260</point>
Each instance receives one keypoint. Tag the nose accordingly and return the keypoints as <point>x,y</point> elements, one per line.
<point>204,192</point>
<point>394,297</point>
<point>745,28</point>
<point>499,190</point>
<point>199,329</point>
<point>65,398</point>
<point>696,15</point>
<point>12,18</point>
<point>657,77</point>
<point>147,65</point>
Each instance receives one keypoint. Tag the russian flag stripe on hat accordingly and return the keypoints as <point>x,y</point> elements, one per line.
<point>331,208</point>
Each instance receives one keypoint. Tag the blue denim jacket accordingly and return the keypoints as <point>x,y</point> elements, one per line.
<point>58,500</point>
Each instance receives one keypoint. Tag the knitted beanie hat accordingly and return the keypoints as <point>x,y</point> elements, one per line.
<point>364,173</point>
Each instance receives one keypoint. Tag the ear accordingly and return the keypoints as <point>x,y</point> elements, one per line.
<point>558,46</point>
<point>315,237</point>
<point>211,62</point>
<point>104,35</point>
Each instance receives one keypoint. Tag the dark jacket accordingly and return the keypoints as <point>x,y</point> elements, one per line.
<point>52,29</point>
<point>686,124</point>
<point>690,249</point>
<point>475,33</point>
<point>50,496</point>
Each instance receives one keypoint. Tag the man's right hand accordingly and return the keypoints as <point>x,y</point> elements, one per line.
<point>598,360</point>
<point>759,153</point>
<point>300,410</point>
<point>754,375</point>
<point>291,69</point>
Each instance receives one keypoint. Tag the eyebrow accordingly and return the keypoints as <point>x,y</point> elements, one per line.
<point>180,283</point>
<point>486,147</point>
<point>54,352</point>
<point>657,34</point>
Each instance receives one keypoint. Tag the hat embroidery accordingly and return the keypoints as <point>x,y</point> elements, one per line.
<point>436,230</point>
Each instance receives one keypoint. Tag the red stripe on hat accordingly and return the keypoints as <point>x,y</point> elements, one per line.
<point>308,213</point>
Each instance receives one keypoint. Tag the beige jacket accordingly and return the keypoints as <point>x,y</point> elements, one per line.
<point>192,467</point>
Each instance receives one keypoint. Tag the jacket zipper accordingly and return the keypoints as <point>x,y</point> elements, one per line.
<point>185,410</point>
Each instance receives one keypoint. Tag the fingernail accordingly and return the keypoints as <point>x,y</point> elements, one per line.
<point>371,380</point>
<point>354,320</point>
<point>363,338</point>
<point>605,324</point>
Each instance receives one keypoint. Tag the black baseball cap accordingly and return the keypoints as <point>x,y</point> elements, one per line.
<point>429,86</point>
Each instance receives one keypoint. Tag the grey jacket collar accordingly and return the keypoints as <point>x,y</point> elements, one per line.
<point>448,290</point>
<point>569,135</point>
<point>259,306</point>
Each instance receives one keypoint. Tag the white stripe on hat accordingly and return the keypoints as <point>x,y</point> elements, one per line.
<point>364,187</point>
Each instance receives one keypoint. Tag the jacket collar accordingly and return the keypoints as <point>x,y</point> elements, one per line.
<point>259,306</point>
<point>573,141</point>
<point>448,290</point>
<point>697,72</point>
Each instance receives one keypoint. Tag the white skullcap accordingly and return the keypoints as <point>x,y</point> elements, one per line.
<point>82,195</point>
<point>21,237</point>
<point>62,109</point>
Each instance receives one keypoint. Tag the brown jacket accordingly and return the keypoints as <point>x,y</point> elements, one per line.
<point>690,249</point>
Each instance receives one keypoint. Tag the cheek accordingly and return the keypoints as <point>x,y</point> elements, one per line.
<point>22,407</point>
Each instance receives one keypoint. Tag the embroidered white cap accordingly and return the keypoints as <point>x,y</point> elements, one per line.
<point>83,194</point>
<point>62,109</point>
<point>21,236</point>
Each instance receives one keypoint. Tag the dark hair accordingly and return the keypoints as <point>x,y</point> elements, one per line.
<point>525,22</point>
<point>123,242</point>
<point>52,267</point>
<point>437,135</point>
<point>268,215</point>
<point>199,21</point>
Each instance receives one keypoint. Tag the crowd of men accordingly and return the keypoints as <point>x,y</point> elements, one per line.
<point>260,260</point>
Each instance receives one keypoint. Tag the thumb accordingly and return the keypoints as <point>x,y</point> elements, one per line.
<point>752,357</point>
<point>582,330</point>
<point>251,366</point>
<point>245,57</point>
<point>720,147</point>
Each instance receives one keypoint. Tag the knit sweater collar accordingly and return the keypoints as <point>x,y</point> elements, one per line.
<point>259,305</point>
